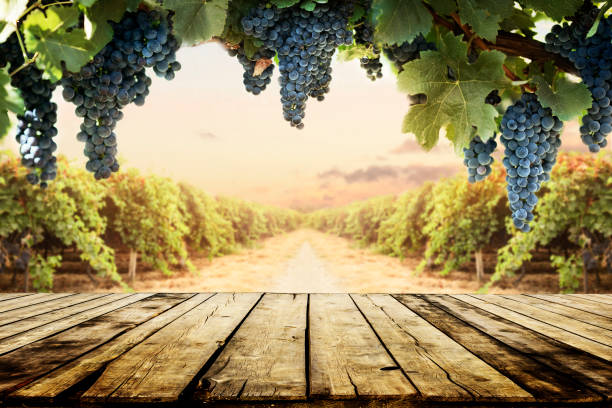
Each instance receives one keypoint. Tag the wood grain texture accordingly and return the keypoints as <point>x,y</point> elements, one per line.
<point>19,340</point>
<point>543,382</point>
<point>19,368</point>
<point>38,309</point>
<point>24,301</point>
<point>598,298</point>
<point>346,358</point>
<point>576,364</point>
<point>45,389</point>
<point>266,358</point>
<point>577,303</point>
<point>161,367</point>
<point>546,323</point>
<point>439,367</point>
<point>565,311</point>
<point>30,323</point>
<point>8,296</point>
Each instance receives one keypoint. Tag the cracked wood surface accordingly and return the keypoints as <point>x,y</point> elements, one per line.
<point>266,358</point>
<point>18,367</point>
<point>346,358</point>
<point>438,366</point>
<point>300,350</point>
<point>162,366</point>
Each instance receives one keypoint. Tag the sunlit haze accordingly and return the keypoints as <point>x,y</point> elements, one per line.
<point>205,129</point>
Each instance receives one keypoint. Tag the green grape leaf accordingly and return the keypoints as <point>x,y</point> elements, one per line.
<point>566,99</point>
<point>10,11</point>
<point>555,9</point>
<point>197,21</point>
<point>284,3</point>
<point>358,13</point>
<point>456,104</point>
<point>484,16</point>
<point>351,52</point>
<point>444,6</point>
<point>98,16</point>
<point>398,21</point>
<point>518,20</point>
<point>518,66</point>
<point>56,39</point>
<point>10,101</point>
<point>308,5</point>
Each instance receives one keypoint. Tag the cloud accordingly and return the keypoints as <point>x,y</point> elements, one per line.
<point>371,173</point>
<point>206,135</point>
<point>416,173</point>
<point>409,146</point>
<point>330,173</point>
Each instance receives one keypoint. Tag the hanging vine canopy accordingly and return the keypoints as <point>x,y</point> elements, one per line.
<point>456,60</point>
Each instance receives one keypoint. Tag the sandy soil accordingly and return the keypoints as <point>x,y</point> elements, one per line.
<point>308,261</point>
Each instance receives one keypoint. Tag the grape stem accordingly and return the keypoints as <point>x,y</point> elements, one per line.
<point>511,44</point>
<point>479,42</point>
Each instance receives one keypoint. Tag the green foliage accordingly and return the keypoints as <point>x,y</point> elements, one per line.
<point>10,101</point>
<point>209,232</point>
<point>485,15</point>
<point>577,199</point>
<point>402,232</point>
<point>463,218</point>
<point>555,9</point>
<point>398,21</point>
<point>67,212</point>
<point>456,105</point>
<point>196,21</point>
<point>55,36</point>
<point>569,270</point>
<point>152,215</point>
<point>146,213</point>
<point>566,100</point>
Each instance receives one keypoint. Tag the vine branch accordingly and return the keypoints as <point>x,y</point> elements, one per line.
<point>511,44</point>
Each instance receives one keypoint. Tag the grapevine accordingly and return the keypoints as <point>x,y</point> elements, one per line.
<point>457,70</point>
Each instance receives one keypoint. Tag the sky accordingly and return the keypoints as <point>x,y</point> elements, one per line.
<point>205,129</point>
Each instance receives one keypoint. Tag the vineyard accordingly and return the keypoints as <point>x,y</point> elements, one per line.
<point>156,220</point>
<point>161,224</point>
<point>480,73</point>
<point>451,222</point>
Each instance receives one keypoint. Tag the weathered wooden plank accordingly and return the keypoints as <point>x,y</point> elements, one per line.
<point>266,358</point>
<point>45,389</point>
<point>8,296</point>
<point>346,358</point>
<point>542,381</point>
<point>24,301</point>
<point>565,311</point>
<point>575,363</point>
<point>36,359</point>
<point>19,340</point>
<point>594,297</point>
<point>161,367</point>
<point>546,323</point>
<point>40,320</point>
<point>38,309</point>
<point>440,368</point>
<point>577,303</point>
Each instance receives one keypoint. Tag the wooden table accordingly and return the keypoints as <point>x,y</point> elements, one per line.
<point>300,350</point>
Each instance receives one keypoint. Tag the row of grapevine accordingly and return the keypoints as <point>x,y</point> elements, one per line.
<point>154,218</point>
<point>451,221</point>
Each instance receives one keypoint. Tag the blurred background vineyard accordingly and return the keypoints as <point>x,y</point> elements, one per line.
<point>114,233</point>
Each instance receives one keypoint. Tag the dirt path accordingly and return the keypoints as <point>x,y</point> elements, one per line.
<point>305,261</point>
<point>306,273</point>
